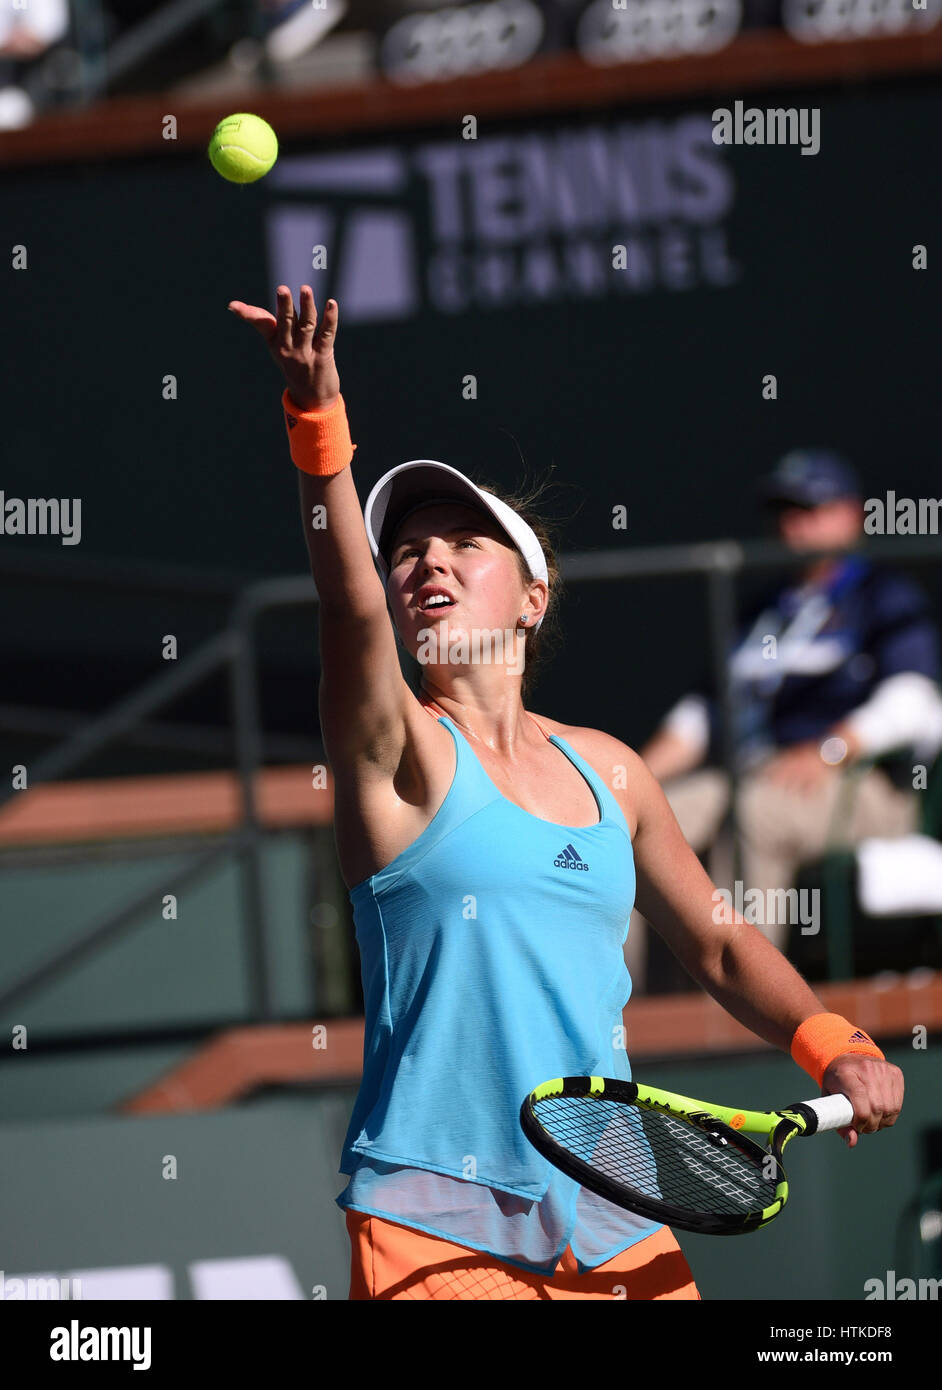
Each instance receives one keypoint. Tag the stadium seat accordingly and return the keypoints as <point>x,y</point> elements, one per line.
<point>880,879</point>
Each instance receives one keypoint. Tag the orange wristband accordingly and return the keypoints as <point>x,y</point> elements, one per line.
<point>822,1037</point>
<point>319,439</point>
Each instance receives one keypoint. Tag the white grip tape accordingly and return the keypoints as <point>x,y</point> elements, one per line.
<point>833,1112</point>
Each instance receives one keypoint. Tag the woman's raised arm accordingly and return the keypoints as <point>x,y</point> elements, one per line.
<point>363,695</point>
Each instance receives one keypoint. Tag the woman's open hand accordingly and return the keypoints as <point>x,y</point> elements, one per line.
<point>302,349</point>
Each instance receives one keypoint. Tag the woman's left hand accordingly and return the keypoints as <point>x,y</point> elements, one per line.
<point>873,1087</point>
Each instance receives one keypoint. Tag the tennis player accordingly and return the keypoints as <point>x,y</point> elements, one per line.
<point>492,858</point>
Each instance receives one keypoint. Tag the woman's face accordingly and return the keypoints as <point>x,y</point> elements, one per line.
<point>463,551</point>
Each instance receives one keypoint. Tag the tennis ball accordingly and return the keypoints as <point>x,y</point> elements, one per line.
<point>243,148</point>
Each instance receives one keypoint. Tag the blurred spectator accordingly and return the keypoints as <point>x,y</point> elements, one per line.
<point>28,28</point>
<point>841,666</point>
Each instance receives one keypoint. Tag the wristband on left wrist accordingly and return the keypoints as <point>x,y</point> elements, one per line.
<point>823,1037</point>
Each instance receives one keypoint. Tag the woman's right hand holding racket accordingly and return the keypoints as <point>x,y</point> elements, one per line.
<point>302,348</point>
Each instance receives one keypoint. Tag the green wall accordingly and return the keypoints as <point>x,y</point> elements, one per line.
<point>258,1180</point>
<point>193,971</point>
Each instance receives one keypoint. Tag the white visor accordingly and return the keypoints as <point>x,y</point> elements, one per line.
<point>424,481</point>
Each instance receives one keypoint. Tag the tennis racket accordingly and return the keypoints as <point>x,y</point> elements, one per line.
<point>680,1161</point>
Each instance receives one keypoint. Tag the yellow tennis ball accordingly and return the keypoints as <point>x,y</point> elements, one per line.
<point>243,148</point>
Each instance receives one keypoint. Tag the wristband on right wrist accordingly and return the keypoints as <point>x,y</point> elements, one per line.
<point>822,1037</point>
<point>319,440</point>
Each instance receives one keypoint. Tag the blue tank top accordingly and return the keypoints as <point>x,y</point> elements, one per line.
<point>492,958</point>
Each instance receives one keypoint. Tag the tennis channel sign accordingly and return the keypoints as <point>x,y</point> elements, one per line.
<point>575,212</point>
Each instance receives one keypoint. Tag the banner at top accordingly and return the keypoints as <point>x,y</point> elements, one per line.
<point>564,213</point>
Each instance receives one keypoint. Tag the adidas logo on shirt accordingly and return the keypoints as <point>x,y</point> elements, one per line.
<point>570,858</point>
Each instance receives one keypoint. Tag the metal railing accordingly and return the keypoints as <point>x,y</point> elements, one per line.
<point>235,650</point>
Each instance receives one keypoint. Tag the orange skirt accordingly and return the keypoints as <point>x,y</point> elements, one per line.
<point>392,1261</point>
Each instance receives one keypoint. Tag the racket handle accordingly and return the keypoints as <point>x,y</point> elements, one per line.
<point>831,1112</point>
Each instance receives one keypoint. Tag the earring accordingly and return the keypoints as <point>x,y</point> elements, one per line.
<point>523,618</point>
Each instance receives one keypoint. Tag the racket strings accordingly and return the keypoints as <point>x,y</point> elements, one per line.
<point>660,1156</point>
